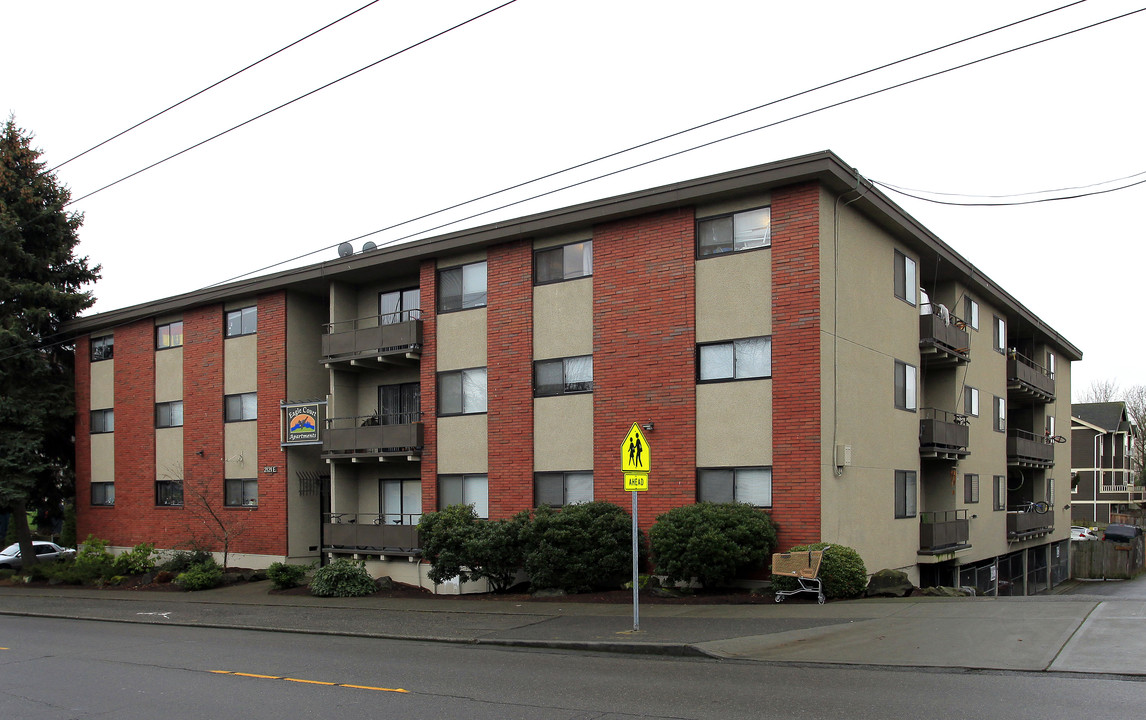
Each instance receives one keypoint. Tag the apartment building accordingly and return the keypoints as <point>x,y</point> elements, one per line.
<point>786,334</point>
<point>1102,469</point>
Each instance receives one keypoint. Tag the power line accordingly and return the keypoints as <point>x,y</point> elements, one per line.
<point>639,146</point>
<point>905,190</point>
<point>1009,204</point>
<point>211,86</point>
<point>291,102</point>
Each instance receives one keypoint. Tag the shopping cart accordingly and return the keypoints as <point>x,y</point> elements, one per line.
<point>805,567</point>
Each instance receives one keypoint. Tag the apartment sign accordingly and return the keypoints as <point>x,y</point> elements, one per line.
<point>301,422</point>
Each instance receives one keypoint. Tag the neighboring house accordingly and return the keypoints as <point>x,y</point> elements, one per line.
<point>1102,470</point>
<point>791,338</point>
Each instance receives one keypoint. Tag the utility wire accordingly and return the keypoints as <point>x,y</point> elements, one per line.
<point>1008,204</point>
<point>635,147</point>
<point>291,102</point>
<point>67,337</point>
<point>211,86</point>
<point>906,190</point>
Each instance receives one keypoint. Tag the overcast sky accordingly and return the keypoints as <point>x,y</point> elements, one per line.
<point>541,85</point>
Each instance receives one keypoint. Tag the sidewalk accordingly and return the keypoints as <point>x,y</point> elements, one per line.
<point>1075,634</point>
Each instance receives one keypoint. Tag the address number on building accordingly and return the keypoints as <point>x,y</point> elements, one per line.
<point>270,469</point>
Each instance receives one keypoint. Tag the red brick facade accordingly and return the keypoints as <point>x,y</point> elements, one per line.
<point>509,377</point>
<point>265,531</point>
<point>428,285</point>
<point>796,436</point>
<point>644,347</point>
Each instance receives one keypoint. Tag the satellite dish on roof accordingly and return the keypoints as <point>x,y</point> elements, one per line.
<point>345,250</point>
<point>368,246</point>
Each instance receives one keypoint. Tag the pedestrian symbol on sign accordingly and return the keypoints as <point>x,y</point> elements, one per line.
<point>636,456</point>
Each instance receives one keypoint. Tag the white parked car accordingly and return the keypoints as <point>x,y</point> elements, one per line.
<point>10,556</point>
<point>1081,533</point>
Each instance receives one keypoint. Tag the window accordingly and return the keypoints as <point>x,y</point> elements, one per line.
<point>169,414</point>
<point>999,495</point>
<point>244,406</point>
<point>241,492</point>
<point>971,311</point>
<point>400,502</point>
<point>1000,424</point>
<point>1050,426</point>
<point>1050,365</point>
<point>904,493</point>
<point>1000,335</point>
<point>563,376</point>
<point>102,348</point>
<point>562,488</point>
<point>732,233</point>
<point>752,485</point>
<point>970,488</point>
<point>168,492</point>
<point>1050,492</point>
<point>905,285</point>
<point>462,392</point>
<point>736,360</point>
<point>971,402</point>
<point>169,335</point>
<point>103,421</point>
<point>399,306</point>
<point>242,322</point>
<point>464,490</point>
<point>462,287</point>
<point>563,263</point>
<point>400,404</point>
<point>905,386</point>
<point>103,493</point>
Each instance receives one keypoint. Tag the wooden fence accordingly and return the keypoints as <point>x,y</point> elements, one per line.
<point>1107,559</point>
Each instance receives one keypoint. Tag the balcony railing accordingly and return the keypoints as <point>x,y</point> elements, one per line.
<point>370,533</point>
<point>371,436</point>
<point>1028,449</point>
<point>943,532</point>
<point>373,337</point>
<point>943,434</point>
<point>943,339</point>
<point>1025,524</point>
<point>1027,378</point>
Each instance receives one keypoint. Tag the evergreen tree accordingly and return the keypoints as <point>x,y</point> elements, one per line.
<point>41,286</point>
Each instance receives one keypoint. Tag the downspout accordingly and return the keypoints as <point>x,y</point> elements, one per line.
<point>1097,439</point>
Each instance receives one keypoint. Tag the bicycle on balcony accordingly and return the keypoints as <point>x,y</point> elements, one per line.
<point>1038,507</point>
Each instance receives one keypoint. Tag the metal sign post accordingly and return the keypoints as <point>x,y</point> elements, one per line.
<point>636,461</point>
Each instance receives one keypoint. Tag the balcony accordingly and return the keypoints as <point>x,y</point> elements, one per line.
<point>371,534</point>
<point>374,340</point>
<point>943,532</point>
<point>1028,449</point>
<point>943,340</point>
<point>1027,380</point>
<point>943,435</point>
<point>366,438</point>
<point>1022,525</point>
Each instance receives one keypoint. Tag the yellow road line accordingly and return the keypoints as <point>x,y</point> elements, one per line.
<point>308,682</point>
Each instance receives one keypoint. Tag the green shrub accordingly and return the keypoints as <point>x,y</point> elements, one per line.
<point>93,559</point>
<point>6,573</point>
<point>284,576</point>
<point>204,576</point>
<point>137,561</point>
<point>183,560</point>
<point>712,542</point>
<point>342,578</point>
<point>841,570</point>
<point>580,547</point>
<point>459,544</point>
<point>69,573</point>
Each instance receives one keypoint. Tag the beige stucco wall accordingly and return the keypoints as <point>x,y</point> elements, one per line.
<point>461,340</point>
<point>563,433</point>
<point>734,296</point>
<point>169,453</point>
<point>240,364</point>
<point>463,445</point>
<point>734,424</point>
<point>103,384</point>
<point>307,379</point>
<point>169,375</point>
<point>746,202</point>
<point>563,319</point>
<point>103,457</point>
<point>241,450</point>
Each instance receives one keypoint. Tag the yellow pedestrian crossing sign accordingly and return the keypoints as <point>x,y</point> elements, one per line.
<point>636,456</point>
<point>636,482</point>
